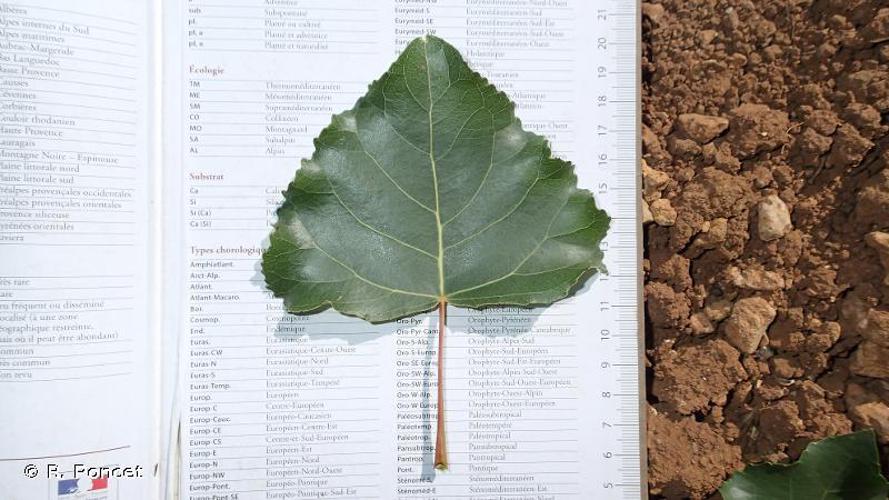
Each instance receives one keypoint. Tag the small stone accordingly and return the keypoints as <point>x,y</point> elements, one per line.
<point>653,182</point>
<point>700,324</point>
<point>755,279</point>
<point>868,409</point>
<point>870,360</point>
<point>663,212</point>
<point>747,325</point>
<point>718,310</point>
<point>874,415</point>
<point>713,236</point>
<point>877,328</point>
<point>879,241</point>
<point>774,218</point>
<point>707,36</point>
<point>737,60</point>
<point>701,128</point>
<point>646,213</point>
<point>653,11</point>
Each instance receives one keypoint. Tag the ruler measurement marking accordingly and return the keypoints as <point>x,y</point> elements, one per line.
<point>621,348</point>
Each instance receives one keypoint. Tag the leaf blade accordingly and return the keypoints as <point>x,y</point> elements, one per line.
<point>429,190</point>
<point>836,468</point>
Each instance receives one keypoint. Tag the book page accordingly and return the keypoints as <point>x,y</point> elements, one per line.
<point>327,406</point>
<point>76,345</point>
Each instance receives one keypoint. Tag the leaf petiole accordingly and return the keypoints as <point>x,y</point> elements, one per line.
<point>441,452</point>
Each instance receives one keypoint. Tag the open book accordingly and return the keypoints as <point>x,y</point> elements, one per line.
<point>143,150</point>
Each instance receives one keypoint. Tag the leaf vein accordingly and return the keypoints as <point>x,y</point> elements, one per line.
<point>394,129</point>
<point>411,91</point>
<point>519,266</point>
<point>499,220</point>
<point>480,184</point>
<point>393,181</point>
<point>457,135</point>
<point>372,283</point>
<point>547,270</point>
<point>406,140</point>
<point>381,233</point>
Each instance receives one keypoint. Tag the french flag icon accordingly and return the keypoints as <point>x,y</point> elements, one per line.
<point>68,486</point>
<point>99,484</point>
<point>72,486</point>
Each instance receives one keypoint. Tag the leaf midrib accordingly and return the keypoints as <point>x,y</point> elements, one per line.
<point>438,226</point>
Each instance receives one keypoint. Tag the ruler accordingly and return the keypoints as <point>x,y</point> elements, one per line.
<point>620,363</point>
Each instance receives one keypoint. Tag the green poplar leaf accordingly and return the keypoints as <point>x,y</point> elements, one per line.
<point>429,192</point>
<point>837,468</point>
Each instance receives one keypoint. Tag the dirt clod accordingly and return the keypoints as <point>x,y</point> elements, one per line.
<point>701,128</point>
<point>849,147</point>
<point>873,202</point>
<point>687,459</point>
<point>756,128</point>
<point>705,373</point>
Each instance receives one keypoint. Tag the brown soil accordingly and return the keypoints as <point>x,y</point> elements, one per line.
<point>766,178</point>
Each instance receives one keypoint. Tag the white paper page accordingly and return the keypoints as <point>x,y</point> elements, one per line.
<point>326,406</point>
<point>77,374</point>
